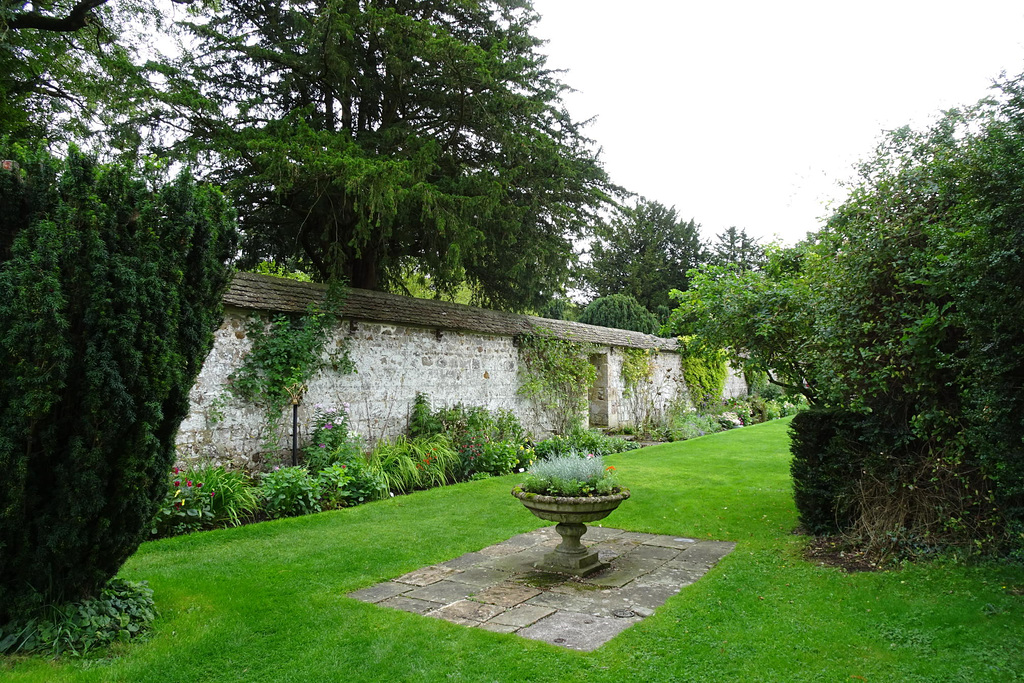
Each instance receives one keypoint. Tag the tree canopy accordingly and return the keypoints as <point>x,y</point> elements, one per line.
<point>644,251</point>
<point>61,63</point>
<point>904,312</point>
<point>734,247</point>
<point>371,138</point>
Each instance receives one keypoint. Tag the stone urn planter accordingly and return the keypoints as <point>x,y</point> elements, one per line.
<point>571,556</point>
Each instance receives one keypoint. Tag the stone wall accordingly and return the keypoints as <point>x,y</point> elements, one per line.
<point>397,359</point>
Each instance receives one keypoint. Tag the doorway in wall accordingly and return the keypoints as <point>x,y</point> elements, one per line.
<point>599,392</point>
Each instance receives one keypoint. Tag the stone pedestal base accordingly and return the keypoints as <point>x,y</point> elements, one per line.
<point>571,556</point>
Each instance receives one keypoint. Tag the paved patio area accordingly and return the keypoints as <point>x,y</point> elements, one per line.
<point>498,589</point>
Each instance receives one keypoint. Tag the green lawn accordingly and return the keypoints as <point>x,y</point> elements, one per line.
<point>267,602</point>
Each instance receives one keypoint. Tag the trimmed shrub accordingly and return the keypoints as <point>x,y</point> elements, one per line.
<point>620,311</point>
<point>110,292</point>
<point>827,460</point>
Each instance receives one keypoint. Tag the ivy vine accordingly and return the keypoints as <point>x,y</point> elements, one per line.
<point>286,353</point>
<point>637,369</point>
<point>557,375</point>
<point>704,372</point>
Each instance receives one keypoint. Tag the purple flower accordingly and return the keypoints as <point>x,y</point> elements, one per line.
<point>323,445</point>
<point>328,426</point>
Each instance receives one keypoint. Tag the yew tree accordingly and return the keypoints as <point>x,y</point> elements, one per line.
<point>367,139</point>
<point>109,295</point>
<point>644,252</point>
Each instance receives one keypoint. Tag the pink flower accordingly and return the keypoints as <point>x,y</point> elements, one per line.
<point>174,469</point>
<point>211,495</point>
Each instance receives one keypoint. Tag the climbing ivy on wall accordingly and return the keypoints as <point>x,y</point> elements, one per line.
<point>704,372</point>
<point>557,375</point>
<point>286,353</point>
<point>638,390</point>
<point>637,369</point>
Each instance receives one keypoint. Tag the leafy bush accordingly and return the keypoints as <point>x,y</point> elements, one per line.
<point>123,610</point>
<point>693,425</point>
<point>487,443</point>
<point>498,458</point>
<point>110,291</point>
<point>333,482</point>
<point>365,484</point>
<point>289,492</point>
<point>331,440</point>
<point>188,507</point>
<point>423,422</point>
<point>620,311</point>
<point>827,460</point>
<point>587,441</point>
<point>571,475</point>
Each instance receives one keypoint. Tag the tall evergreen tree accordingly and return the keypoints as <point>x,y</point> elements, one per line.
<point>109,296</point>
<point>365,136</point>
<point>734,247</point>
<point>644,252</point>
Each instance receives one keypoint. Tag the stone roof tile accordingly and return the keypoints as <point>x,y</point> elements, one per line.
<point>281,295</point>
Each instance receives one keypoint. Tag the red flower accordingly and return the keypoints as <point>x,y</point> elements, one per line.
<point>177,482</point>
<point>199,485</point>
<point>174,469</point>
<point>190,482</point>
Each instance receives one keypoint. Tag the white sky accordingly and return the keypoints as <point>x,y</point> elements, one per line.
<point>749,113</point>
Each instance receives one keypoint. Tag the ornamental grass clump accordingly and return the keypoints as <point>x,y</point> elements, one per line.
<point>571,476</point>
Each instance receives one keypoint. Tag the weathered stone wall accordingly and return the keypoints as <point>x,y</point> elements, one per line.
<point>396,360</point>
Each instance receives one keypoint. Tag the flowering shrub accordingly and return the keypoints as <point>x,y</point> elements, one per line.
<point>571,475</point>
<point>233,497</point>
<point>187,508</point>
<point>289,491</point>
<point>331,441</point>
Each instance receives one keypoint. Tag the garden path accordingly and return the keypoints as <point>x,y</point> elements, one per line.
<point>498,589</point>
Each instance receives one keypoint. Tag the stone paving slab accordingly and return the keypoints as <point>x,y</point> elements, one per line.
<point>583,632</point>
<point>498,588</point>
<point>522,616</point>
<point>464,561</point>
<point>481,577</point>
<point>470,610</point>
<point>442,591</point>
<point>380,591</point>
<point>425,576</point>
<point>506,595</point>
<point>410,604</point>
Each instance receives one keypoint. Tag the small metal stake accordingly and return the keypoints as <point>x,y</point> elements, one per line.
<point>295,432</point>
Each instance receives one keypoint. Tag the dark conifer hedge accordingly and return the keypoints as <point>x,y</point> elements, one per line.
<point>109,295</point>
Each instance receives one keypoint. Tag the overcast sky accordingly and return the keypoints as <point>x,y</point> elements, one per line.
<point>750,113</point>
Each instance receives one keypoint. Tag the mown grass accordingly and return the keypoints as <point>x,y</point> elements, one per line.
<point>267,602</point>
